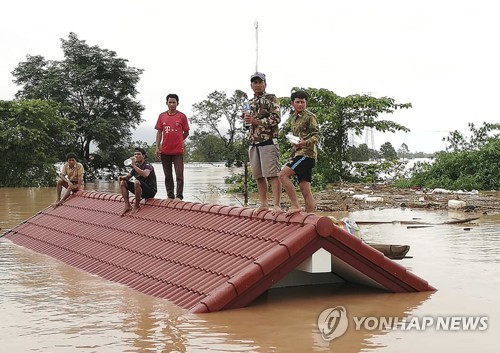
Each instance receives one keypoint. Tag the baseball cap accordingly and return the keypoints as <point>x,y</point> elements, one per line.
<point>142,150</point>
<point>259,75</point>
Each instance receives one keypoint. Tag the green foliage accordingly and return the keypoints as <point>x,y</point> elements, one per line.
<point>94,88</point>
<point>388,152</point>
<point>32,134</point>
<point>318,182</point>
<point>108,163</point>
<point>472,164</point>
<point>206,147</point>
<point>362,153</point>
<point>456,141</point>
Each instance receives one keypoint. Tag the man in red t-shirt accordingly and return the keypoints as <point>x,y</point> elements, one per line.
<point>173,129</point>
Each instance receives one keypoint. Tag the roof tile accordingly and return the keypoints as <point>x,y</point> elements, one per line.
<point>203,257</point>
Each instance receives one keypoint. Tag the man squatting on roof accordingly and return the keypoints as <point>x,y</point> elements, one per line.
<point>144,185</point>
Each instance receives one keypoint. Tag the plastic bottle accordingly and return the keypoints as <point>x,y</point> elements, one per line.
<point>247,109</point>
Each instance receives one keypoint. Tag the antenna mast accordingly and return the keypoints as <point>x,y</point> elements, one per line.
<point>256,24</point>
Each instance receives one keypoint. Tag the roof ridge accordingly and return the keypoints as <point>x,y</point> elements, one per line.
<point>323,224</point>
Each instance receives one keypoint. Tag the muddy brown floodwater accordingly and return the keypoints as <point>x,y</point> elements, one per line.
<point>48,306</point>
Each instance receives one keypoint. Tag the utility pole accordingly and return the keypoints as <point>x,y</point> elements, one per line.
<point>256,24</point>
<point>245,164</point>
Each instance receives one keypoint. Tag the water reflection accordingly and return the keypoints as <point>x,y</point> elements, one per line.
<point>286,319</point>
<point>47,306</point>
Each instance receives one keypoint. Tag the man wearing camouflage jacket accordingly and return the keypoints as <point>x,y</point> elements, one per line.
<point>263,153</point>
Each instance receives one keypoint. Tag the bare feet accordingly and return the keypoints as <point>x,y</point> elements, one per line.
<point>292,210</point>
<point>259,210</point>
<point>135,210</point>
<point>276,209</point>
<point>177,199</point>
<point>57,203</point>
<point>126,209</point>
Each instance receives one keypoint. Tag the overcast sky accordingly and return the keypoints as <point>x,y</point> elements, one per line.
<point>442,56</point>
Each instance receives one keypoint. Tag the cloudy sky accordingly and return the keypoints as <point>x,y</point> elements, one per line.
<point>442,56</point>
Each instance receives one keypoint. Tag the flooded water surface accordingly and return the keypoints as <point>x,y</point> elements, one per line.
<point>48,306</point>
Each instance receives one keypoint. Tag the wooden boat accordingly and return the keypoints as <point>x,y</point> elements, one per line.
<point>394,252</point>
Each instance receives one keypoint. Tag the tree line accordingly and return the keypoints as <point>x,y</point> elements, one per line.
<point>88,100</point>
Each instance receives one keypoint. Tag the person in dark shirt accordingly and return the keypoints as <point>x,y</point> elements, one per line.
<point>144,185</point>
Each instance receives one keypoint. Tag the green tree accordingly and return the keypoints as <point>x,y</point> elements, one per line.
<point>362,153</point>
<point>94,88</point>
<point>221,115</point>
<point>32,133</point>
<point>206,147</point>
<point>338,116</point>
<point>403,151</point>
<point>359,153</point>
<point>108,163</point>
<point>472,163</point>
<point>388,152</point>
<point>456,141</point>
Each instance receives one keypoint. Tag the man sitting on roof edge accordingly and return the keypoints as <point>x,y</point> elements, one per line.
<point>144,185</point>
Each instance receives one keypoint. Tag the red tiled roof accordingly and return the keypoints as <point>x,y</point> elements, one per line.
<point>202,257</point>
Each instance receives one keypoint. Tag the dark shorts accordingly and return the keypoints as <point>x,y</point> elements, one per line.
<point>303,167</point>
<point>147,191</point>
